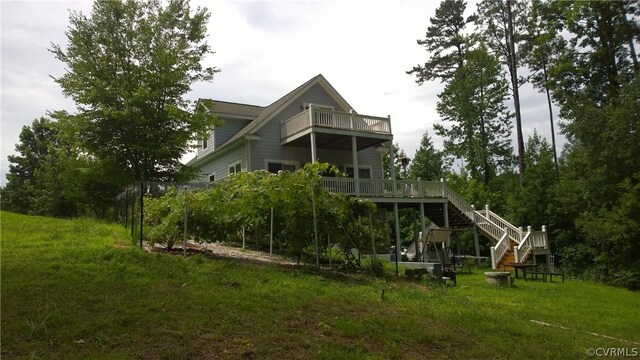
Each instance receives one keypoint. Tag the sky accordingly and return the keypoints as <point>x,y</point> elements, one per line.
<point>265,49</point>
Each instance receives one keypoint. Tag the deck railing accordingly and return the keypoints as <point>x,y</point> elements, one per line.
<point>532,240</point>
<point>514,233</point>
<point>334,120</point>
<point>490,224</point>
<point>385,188</point>
<point>501,248</point>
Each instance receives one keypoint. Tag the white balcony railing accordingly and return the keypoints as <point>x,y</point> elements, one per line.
<point>384,188</point>
<point>322,118</point>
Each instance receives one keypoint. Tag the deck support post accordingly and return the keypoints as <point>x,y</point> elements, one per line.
<point>271,235</point>
<point>476,243</point>
<point>446,224</point>
<point>423,229</point>
<point>373,239</point>
<point>397,228</point>
<point>356,167</point>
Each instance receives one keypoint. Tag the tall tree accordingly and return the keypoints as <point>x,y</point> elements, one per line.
<point>541,46</point>
<point>480,124</point>
<point>502,24</point>
<point>597,86</point>
<point>428,163</point>
<point>398,153</point>
<point>446,42</point>
<point>541,178</point>
<point>37,181</point>
<point>129,66</point>
<point>35,147</point>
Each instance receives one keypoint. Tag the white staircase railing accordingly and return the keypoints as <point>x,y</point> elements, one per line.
<point>514,233</point>
<point>501,248</point>
<point>488,223</point>
<point>532,240</point>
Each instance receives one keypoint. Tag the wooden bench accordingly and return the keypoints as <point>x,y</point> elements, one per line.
<point>545,274</point>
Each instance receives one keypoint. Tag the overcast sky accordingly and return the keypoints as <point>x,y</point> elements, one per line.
<point>264,49</point>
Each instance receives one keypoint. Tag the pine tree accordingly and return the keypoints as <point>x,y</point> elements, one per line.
<point>480,124</point>
<point>446,42</point>
<point>428,163</point>
<point>503,26</point>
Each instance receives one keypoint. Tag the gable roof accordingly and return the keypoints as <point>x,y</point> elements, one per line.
<point>232,108</point>
<point>267,113</point>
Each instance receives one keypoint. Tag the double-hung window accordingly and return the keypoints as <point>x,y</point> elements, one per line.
<point>235,167</point>
<point>274,166</point>
<point>364,173</point>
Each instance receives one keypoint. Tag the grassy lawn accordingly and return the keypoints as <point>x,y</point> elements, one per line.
<point>79,289</point>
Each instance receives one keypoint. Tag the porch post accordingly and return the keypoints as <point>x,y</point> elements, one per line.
<point>392,167</point>
<point>314,154</point>
<point>397,227</point>
<point>356,168</point>
<point>248,155</point>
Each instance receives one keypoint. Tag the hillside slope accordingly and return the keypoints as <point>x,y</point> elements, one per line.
<point>79,289</point>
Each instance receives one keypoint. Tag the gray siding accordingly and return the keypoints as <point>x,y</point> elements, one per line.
<point>225,131</point>
<point>269,148</point>
<point>220,164</point>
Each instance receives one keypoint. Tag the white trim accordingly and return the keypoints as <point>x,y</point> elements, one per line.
<point>370,167</point>
<point>214,177</point>
<point>283,162</point>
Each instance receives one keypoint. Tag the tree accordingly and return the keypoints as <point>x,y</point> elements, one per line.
<point>36,147</point>
<point>595,81</point>
<point>386,162</point>
<point>129,66</point>
<point>50,176</point>
<point>502,23</point>
<point>446,42</point>
<point>543,44</point>
<point>535,199</point>
<point>428,163</point>
<point>480,124</point>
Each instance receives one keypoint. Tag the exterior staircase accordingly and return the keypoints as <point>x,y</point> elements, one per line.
<point>511,244</point>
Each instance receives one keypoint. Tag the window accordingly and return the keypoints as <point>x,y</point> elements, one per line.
<point>305,106</point>
<point>235,168</point>
<point>275,166</point>
<point>364,173</point>
<point>212,177</point>
<point>205,142</point>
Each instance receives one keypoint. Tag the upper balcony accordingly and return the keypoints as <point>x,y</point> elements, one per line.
<point>334,127</point>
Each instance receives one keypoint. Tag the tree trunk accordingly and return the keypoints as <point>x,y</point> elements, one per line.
<point>513,70</point>
<point>553,132</point>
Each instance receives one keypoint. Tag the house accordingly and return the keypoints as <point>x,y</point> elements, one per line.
<point>312,122</point>
<point>315,123</point>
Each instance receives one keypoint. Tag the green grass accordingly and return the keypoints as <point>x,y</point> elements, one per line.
<point>79,289</point>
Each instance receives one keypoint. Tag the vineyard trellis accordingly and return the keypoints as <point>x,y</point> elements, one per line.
<point>289,210</point>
